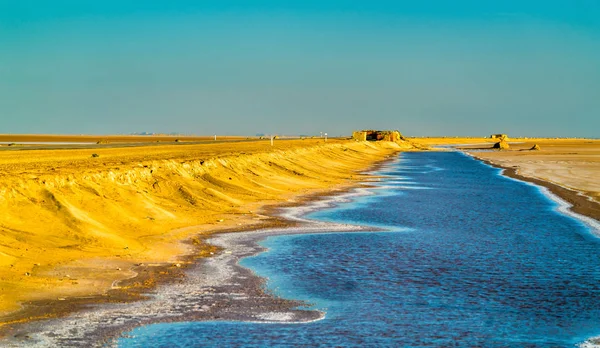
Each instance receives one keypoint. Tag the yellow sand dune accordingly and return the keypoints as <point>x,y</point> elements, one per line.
<point>71,223</point>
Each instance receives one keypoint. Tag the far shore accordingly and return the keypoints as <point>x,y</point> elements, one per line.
<point>580,203</point>
<point>569,168</point>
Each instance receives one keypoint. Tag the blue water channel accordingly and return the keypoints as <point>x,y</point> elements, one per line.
<point>471,259</point>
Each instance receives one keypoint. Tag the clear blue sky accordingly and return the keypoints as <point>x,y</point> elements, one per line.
<point>428,67</point>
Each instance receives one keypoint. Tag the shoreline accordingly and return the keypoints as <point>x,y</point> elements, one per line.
<point>236,298</point>
<point>151,209</point>
<point>232,293</point>
<point>39,318</point>
<point>579,203</point>
<point>570,202</point>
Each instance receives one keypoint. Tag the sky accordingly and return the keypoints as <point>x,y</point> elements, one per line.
<point>426,68</point>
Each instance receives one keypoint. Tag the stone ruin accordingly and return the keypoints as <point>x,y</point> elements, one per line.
<point>499,136</point>
<point>501,145</point>
<point>374,135</point>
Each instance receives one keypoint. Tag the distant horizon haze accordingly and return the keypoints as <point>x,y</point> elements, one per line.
<point>233,67</point>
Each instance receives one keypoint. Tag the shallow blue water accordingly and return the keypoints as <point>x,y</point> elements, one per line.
<point>471,259</point>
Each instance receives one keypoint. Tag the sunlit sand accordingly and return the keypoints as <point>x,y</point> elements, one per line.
<point>74,221</point>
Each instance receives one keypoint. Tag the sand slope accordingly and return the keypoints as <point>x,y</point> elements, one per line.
<point>71,224</point>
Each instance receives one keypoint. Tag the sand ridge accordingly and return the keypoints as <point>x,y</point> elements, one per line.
<point>215,288</point>
<point>73,224</point>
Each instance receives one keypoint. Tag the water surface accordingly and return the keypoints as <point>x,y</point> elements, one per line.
<point>471,259</point>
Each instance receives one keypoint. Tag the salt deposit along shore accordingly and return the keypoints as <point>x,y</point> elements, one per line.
<point>213,289</point>
<point>232,295</point>
<point>78,230</point>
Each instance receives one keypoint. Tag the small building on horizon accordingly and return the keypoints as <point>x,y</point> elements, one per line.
<point>375,135</point>
<point>499,136</point>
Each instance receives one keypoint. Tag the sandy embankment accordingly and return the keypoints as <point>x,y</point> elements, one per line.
<point>72,224</point>
<point>215,288</point>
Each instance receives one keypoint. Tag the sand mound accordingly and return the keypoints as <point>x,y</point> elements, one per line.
<point>63,210</point>
<point>501,145</point>
<point>535,147</point>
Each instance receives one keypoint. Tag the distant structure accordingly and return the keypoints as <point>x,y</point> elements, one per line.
<point>374,135</point>
<point>501,145</point>
<point>499,136</point>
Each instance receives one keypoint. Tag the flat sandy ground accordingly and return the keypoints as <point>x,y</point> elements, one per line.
<point>92,139</point>
<point>572,163</point>
<point>441,141</point>
<point>74,222</point>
